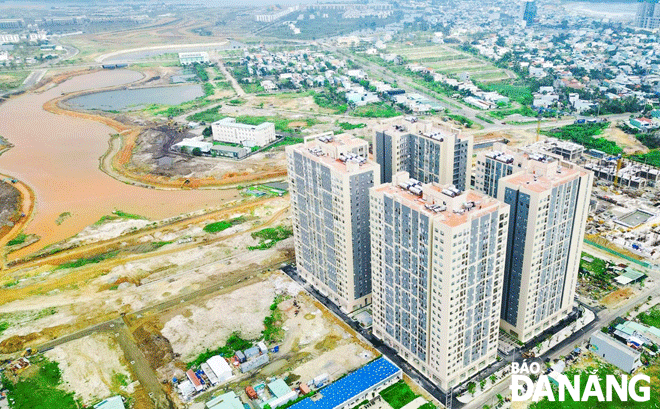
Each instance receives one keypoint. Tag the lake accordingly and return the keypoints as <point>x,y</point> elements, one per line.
<point>137,98</point>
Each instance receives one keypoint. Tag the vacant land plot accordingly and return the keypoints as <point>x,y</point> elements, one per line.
<point>452,62</point>
<point>92,367</point>
<point>207,326</point>
<point>651,317</point>
<point>10,80</point>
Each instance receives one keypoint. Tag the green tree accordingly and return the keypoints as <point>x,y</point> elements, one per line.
<point>471,388</point>
<point>197,152</point>
<point>207,131</point>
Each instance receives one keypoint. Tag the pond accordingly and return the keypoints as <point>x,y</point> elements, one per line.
<point>137,98</point>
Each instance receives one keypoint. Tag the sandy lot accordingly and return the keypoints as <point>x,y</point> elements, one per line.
<point>209,325</point>
<point>618,297</point>
<point>88,366</point>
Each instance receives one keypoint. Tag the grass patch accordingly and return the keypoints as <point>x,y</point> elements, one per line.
<point>483,118</point>
<point>236,101</point>
<point>234,343</point>
<point>288,140</point>
<point>347,126</point>
<point>651,317</point>
<point>650,158</point>
<point>120,379</point>
<point>62,217</point>
<point>524,111</point>
<point>118,214</point>
<point>208,116</point>
<point>398,395</point>
<point>222,225</point>
<point>40,390</point>
<point>281,124</point>
<point>3,326</point>
<point>270,236</point>
<point>10,80</point>
<point>159,244</point>
<point>20,239</point>
<point>380,110</point>
<point>518,93</point>
<point>467,122</point>
<point>584,134</point>
<point>273,323</point>
<point>330,99</point>
<point>88,260</point>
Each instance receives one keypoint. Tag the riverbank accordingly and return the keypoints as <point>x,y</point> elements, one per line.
<point>115,161</point>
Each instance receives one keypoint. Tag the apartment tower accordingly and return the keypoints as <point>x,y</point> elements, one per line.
<point>648,14</point>
<point>437,258</point>
<point>549,203</point>
<point>329,180</point>
<point>430,153</point>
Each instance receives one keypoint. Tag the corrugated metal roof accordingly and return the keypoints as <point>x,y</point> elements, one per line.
<point>279,388</point>
<point>351,385</point>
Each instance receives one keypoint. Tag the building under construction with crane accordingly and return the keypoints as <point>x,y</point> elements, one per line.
<point>624,173</point>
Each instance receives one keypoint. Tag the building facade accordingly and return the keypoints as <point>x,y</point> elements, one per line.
<point>493,165</point>
<point>648,14</point>
<point>549,203</point>
<point>429,152</point>
<point>228,130</point>
<point>529,12</point>
<point>437,258</point>
<point>201,57</point>
<point>329,181</point>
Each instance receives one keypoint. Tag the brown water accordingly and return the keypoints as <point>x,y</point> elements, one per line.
<point>58,157</point>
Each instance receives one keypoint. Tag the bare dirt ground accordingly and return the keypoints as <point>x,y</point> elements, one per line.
<point>99,291</point>
<point>629,143</point>
<point>92,367</point>
<point>618,297</point>
<point>208,325</point>
<point>314,342</point>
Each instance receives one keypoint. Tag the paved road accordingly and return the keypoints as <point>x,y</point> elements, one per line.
<point>561,349</point>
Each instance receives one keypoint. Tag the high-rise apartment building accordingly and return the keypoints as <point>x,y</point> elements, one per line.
<point>493,165</point>
<point>648,14</point>
<point>437,258</point>
<point>430,153</point>
<point>529,9</point>
<point>329,180</point>
<point>549,202</point>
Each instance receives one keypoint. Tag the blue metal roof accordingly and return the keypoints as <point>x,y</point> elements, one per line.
<point>351,385</point>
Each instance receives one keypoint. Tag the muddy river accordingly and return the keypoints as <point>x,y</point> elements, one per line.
<point>58,157</point>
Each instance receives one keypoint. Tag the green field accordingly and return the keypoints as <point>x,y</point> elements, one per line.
<point>398,395</point>
<point>450,61</point>
<point>39,390</point>
<point>223,225</point>
<point>585,135</point>
<point>651,317</point>
<point>270,236</point>
<point>12,79</point>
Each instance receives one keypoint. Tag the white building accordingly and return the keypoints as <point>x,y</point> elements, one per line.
<point>230,131</point>
<point>220,368</point>
<point>329,178</point>
<point>9,38</point>
<point>200,57</point>
<point>437,258</point>
<point>189,144</point>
